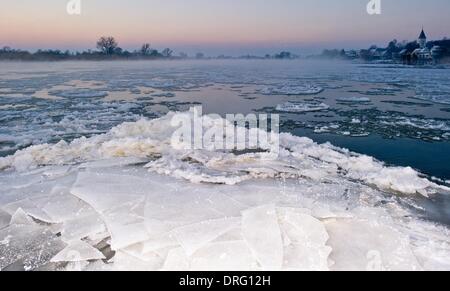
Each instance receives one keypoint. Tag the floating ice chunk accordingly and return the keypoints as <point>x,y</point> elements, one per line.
<point>224,256</point>
<point>78,251</point>
<point>21,218</point>
<point>79,93</point>
<point>167,95</point>
<point>193,237</point>
<point>301,107</point>
<point>353,99</point>
<point>292,90</point>
<point>261,231</point>
<point>362,245</point>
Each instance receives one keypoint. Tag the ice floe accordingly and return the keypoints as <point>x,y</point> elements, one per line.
<point>79,93</point>
<point>301,107</point>
<point>291,89</point>
<point>354,99</point>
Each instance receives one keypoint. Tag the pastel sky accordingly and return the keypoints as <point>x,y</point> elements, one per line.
<point>230,27</point>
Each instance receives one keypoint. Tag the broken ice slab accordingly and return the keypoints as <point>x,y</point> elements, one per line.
<point>61,208</point>
<point>361,245</point>
<point>82,227</point>
<point>195,236</point>
<point>105,192</point>
<point>301,227</point>
<point>306,249</point>
<point>78,251</point>
<point>126,235</point>
<point>21,218</point>
<point>183,204</point>
<point>30,208</point>
<point>32,246</point>
<point>261,231</point>
<point>126,225</point>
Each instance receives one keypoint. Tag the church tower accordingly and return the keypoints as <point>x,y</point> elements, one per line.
<point>422,39</point>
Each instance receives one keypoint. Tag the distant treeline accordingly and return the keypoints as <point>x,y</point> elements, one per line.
<point>108,49</point>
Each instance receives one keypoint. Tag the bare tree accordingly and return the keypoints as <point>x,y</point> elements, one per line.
<point>145,49</point>
<point>107,45</point>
